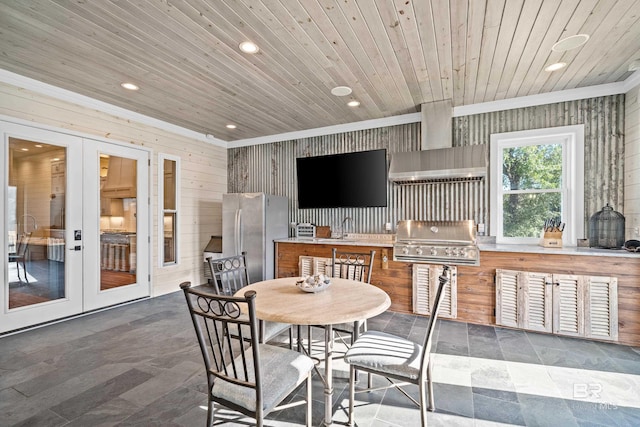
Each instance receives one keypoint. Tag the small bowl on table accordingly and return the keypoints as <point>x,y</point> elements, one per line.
<point>314,283</point>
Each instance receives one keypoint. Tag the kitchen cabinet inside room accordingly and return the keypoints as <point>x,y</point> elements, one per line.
<point>118,206</point>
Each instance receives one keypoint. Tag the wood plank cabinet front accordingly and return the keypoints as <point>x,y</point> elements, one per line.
<point>476,285</point>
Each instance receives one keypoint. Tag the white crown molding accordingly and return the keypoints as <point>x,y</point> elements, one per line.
<point>329,130</point>
<point>632,81</point>
<point>85,101</point>
<point>544,98</point>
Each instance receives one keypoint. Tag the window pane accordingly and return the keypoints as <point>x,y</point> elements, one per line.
<point>169,184</point>
<point>169,237</point>
<point>524,214</point>
<point>532,167</point>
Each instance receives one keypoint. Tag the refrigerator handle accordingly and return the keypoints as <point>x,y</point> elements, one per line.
<point>237,232</point>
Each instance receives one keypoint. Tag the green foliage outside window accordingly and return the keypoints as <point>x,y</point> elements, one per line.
<point>532,188</point>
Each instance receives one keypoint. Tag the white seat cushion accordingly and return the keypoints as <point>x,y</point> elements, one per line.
<point>386,353</point>
<point>282,370</point>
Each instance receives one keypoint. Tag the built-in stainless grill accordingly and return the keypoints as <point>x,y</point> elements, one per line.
<point>436,242</point>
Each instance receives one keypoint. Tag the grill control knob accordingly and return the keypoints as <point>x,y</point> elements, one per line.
<point>419,250</point>
<point>456,252</point>
<point>447,251</point>
<point>405,250</point>
<point>463,252</point>
<point>434,251</point>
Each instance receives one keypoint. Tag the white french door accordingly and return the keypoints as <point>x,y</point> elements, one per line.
<point>54,221</point>
<point>116,218</point>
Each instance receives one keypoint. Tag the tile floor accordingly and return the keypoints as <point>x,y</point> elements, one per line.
<point>139,364</point>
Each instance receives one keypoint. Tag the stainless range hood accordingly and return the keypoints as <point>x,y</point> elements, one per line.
<point>438,161</point>
<point>439,165</point>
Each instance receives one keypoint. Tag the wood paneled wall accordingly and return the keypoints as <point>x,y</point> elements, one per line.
<point>203,165</point>
<point>271,167</point>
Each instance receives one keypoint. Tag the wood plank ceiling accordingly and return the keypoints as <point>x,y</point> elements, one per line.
<point>395,55</point>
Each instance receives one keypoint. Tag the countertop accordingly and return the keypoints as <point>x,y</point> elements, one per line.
<point>388,240</point>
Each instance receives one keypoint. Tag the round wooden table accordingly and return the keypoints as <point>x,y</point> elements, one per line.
<point>280,300</point>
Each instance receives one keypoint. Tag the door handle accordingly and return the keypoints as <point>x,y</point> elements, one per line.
<point>76,248</point>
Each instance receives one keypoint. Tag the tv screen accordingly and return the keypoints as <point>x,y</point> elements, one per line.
<point>350,180</point>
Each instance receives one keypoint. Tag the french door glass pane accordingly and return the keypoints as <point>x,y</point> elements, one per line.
<point>118,223</point>
<point>36,222</point>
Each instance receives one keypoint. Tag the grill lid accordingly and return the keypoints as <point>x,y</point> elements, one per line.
<point>454,232</point>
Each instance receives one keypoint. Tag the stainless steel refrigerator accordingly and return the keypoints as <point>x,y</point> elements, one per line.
<point>251,222</point>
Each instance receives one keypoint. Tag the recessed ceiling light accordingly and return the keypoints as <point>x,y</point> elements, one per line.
<point>129,86</point>
<point>231,126</point>
<point>341,91</point>
<point>249,47</point>
<point>24,149</point>
<point>38,146</point>
<point>55,159</point>
<point>556,66</point>
<point>569,43</point>
<point>353,103</point>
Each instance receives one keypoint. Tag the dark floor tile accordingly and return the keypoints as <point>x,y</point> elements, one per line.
<point>453,399</point>
<point>111,412</point>
<point>542,411</point>
<point>516,347</point>
<point>98,395</point>
<point>165,410</point>
<point>66,367</point>
<point>624,416</point>
<point>45,418</point>
<point>579,359</point>
<point>618,351</point>
<point>481,331</point>
<point>496,410</point>
<point>483,342</point>
<point>546,340</point>
<point>418,334</point>
<point>452,339</point>
<point>400,325</point>
<point>593,414</point>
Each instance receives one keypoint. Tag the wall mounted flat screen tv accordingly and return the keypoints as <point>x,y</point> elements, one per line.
<point>349,180</point>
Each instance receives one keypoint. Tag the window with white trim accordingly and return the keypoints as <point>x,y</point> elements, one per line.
<point>537,175</point>
<point>168,203</point>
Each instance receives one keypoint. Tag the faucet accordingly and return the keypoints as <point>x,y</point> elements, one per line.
<point>346,218</point>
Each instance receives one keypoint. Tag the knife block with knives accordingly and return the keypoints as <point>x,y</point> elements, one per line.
<point>552,234</point>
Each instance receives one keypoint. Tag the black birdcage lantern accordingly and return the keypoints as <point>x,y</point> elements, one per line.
<point>606,229</point>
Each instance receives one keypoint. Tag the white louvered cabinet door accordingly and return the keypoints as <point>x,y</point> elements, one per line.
<point>305,265</point>
<point>568,304</point>
<point>524,300</point>
<point>426,278</point>
<point>507,306</point>
<point>565,304</point>
<point>309,265</point>
<point>601,308</point>
<point>536,299</point>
